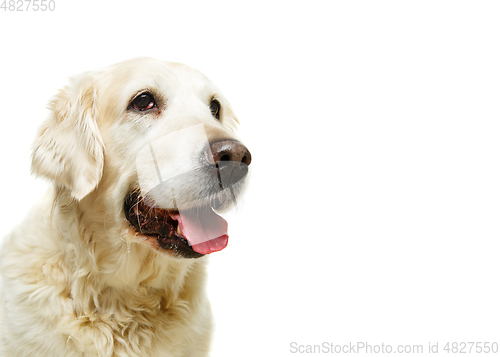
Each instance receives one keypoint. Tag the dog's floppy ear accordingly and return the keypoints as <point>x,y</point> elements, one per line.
<point>69,149</point>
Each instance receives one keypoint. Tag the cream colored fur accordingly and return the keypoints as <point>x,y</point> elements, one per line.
<point>76,280</point>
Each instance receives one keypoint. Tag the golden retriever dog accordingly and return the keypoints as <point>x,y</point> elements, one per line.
<point>111,262</point>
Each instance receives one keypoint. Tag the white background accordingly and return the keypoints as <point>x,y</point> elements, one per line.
<point>373,210</point>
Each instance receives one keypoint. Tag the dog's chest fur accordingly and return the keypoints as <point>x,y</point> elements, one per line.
<point>59,306</point>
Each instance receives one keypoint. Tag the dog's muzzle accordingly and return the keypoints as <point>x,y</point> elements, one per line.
<point>193,229</point>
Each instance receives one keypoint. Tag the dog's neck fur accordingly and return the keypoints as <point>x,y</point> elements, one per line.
<point>103,269</point>
<point>105,294</point>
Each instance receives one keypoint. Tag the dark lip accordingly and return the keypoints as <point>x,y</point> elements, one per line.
<point>167,238</point>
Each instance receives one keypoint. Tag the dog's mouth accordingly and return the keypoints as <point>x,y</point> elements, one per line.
<point>189,233</point>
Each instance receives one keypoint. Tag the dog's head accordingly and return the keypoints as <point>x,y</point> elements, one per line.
<point>151,148</point>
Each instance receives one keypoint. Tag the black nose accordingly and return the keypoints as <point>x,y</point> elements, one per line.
<point>230,159</point>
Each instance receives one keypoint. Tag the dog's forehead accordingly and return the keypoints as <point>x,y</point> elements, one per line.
<point>146,73</point>
<point>119,83</point>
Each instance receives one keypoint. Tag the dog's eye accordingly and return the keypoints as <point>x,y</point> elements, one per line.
<point>215,109</point>
<point>144,101</point>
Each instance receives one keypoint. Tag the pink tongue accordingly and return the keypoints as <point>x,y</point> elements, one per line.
<point>205,230</point>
